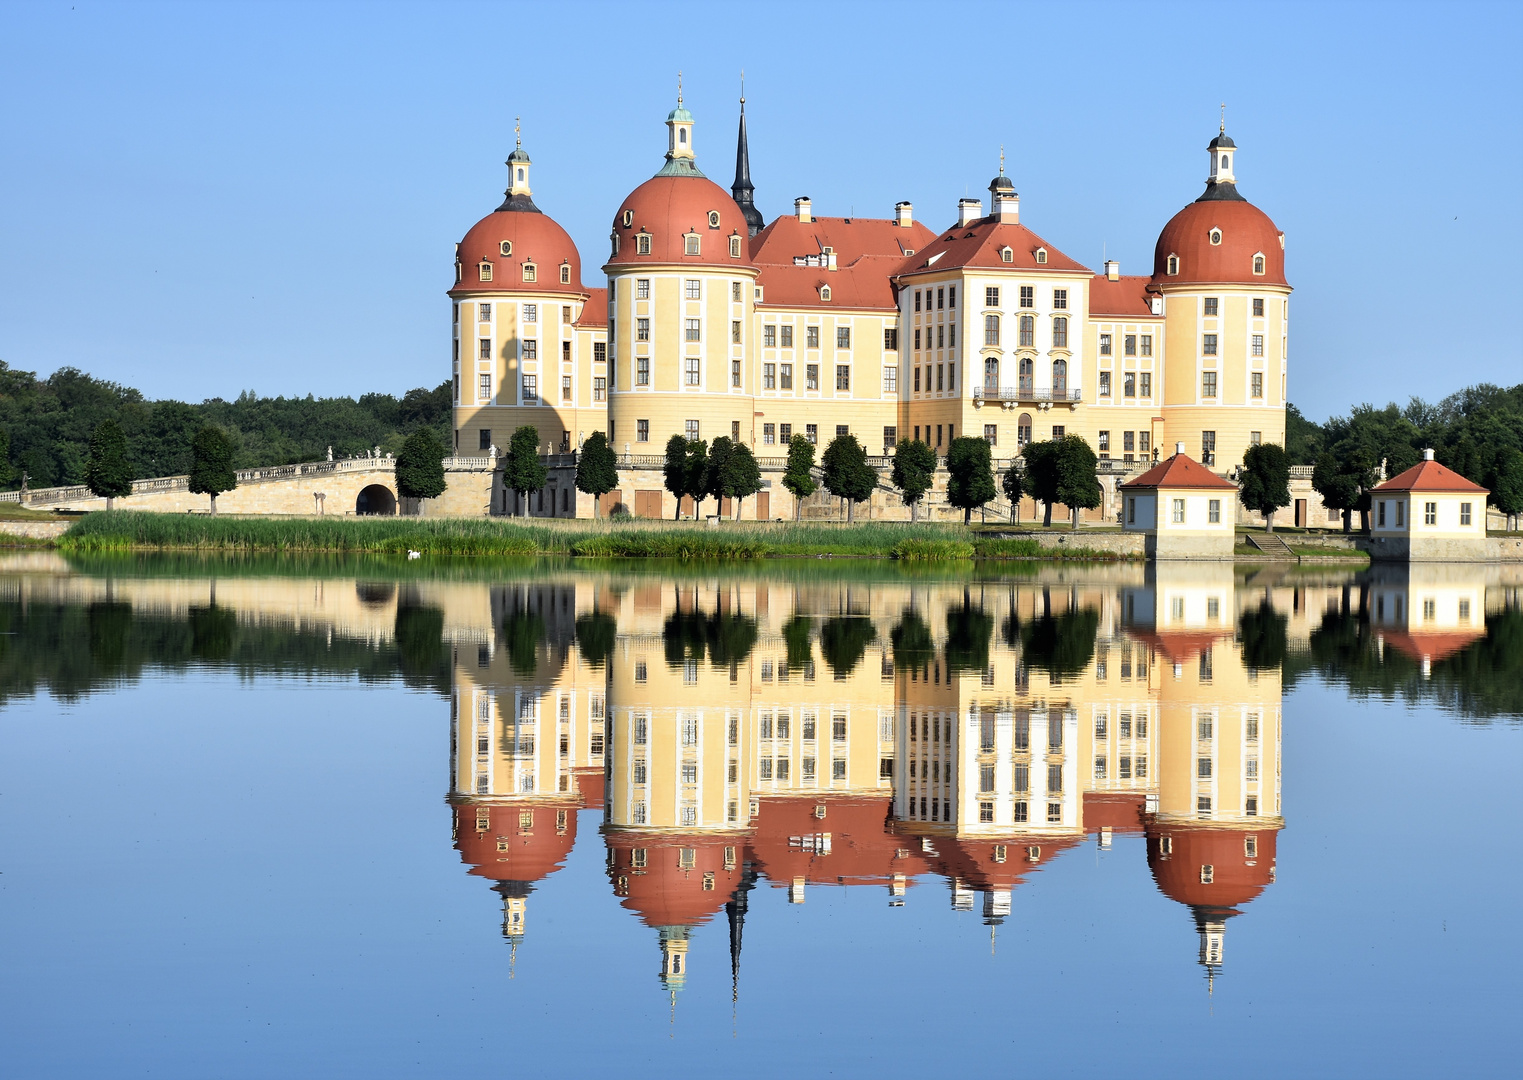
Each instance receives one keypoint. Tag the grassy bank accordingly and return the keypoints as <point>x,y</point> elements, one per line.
<point>125,530</point>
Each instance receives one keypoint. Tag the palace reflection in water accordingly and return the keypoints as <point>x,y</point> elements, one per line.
<point>739,734</point>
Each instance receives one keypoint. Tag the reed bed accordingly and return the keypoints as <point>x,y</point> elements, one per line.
<point>127,530</point>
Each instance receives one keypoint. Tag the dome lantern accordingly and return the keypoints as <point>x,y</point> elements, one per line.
<point>680,160</point>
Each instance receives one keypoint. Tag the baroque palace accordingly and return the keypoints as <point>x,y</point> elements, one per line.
<point>716,323</point>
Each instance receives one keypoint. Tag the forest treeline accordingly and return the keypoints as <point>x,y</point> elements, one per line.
<point>46,425</point>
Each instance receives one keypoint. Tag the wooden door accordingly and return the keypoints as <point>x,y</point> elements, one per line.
<point>609,501</point>
<point>764,506</point>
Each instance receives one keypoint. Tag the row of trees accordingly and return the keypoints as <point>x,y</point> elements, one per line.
<point>1477,432</point>
<point>47,425</point>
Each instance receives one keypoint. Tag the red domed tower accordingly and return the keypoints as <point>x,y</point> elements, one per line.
<point>681,290</point>
<point>528,336</point>
<point>1220,268</point>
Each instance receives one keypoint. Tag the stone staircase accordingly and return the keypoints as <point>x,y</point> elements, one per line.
<point>1272,546</point>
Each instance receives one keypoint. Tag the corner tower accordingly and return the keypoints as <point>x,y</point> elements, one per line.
<point>1220,267</point>
<point>681,291</point>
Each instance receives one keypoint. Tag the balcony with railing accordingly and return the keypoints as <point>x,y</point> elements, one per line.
<point>1026,391</point>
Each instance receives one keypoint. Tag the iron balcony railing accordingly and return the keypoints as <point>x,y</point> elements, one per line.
<point>1035,394</point>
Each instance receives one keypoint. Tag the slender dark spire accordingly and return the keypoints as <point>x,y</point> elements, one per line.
<point>743,189</point>
<point>735,913</point>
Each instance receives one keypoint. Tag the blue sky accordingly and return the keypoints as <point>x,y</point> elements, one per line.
<point>203,199</point>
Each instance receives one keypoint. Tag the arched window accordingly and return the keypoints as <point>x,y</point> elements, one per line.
<point>1059,378</point>
<point>991,374</point>
<point>520,176</point>
<point>735,247</point>
<point>1060,333</point>
<point>642,243</point>
<point>1041,255</point>
<point>531,272</point>
<point>824,292</point>
<point>485,271</point>
<point>1224,161</point>
<point>692,244</point>
<point>1023,429</point>
<point>1028,331</point>
<point>1026,370</point>
<point>1006,255</point>
<point>1258,264</point>
<point>682,135</point>
<point>565,273</point>
<point>991,329</point>
<point>1173,265</point>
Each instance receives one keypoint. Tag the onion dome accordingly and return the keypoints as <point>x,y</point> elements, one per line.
<point>1221,238</point>
<point>1216,868</point>
<point>513,841</point>
<point>517,248</point>
<point>679,215</point>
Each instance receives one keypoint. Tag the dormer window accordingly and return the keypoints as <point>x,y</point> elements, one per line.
<point>565,273</point>
<point>459,272</point>
<point>629,218</point>
<point>1172,266</point>
<point>735,247</point>
<point>614,240</point>
<point>1216,237</point>
<point>531,272</point>
<point>909,251</point>
<point>485,270</point>
<point>642,243</point>
<point>1041,256</point>
<point>1006,255</point>
<point>1258,264</point>
<point>506,247</point>
<point>825,293</point>
<point>690,244</point>
<point>713,219</point>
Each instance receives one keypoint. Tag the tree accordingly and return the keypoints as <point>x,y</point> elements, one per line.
<point>847,474</point>
<point>696,473</point>
<point>1340,484</point>
<point>1042,475</point>
<point>1078,487</point>
<point>1506,484</point>
<point>970,479</point>
<point>211,464</point>
<point>107,473</point>
<point>522,471</point>
<point>674,470</point>
<point>797,477</point>
<point>597,470</point>
<point>1303,437</point>
<point>719,454</point>
<point>741,476</point>
<point>913,473</point>
<point>1266,481</point>
<point>420,466</point>
<point>7,473</point>
<point>1013,483</point>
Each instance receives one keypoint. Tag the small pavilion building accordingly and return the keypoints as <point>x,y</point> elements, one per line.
<point>1428,513</point>
<point>1185,510</point>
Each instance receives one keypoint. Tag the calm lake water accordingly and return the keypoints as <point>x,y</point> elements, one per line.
<point>369,818</point>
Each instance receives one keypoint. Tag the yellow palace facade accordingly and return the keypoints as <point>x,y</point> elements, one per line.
<point>715,323</point>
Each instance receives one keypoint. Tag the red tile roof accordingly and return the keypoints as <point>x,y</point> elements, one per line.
<point>1246,232</point>
<point>595,310</point>
<point>1127,297</point>
<point>1180,471</point>
<point>865,283</point>
<point>531,236</point>
<point>1235,879</point>
<point>668,208</point>
<point>1179,646</point>
<point>979,243</point>
<point>1429,476</point>
<point>868,251</point>
<point>507,850</point>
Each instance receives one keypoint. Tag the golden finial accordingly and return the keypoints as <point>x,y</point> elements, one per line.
<point>679,88</point>
<point>1223,129</point>
<point>1002,159</point>
<point>518,136</point>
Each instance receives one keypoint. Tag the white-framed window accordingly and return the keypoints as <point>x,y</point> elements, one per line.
<point>485,349</point>
<point>1464,520</point>
<point>484,312</point>
<point>825,293</point>
<point>735,381</point>
<point>811,376</point>
<point>484,387</point>
<point>1430,513</point>
<point>1211,306</point>
<point>1208,345</point>
<point>1179,512</point>
<point>843,337</point>
<point>991,325</point>
<point>642,431</point>
<point>565,273</point>
<point>692,244</point>
<point>1041,256</point>
<point>1214,511</point>
<point>531,272</point>
<point>769,337</point>
<point>1171,265</point>
<point>769,378</point>
<point>891,379</point>
<point>692,288</point>
<point>1006,255</point>
<point>1105,345</point>
<point>1208,384</point>
<point>1258,345</point>
<point>506,247</point>
<point>1216,237</point>
<point>531,313</point>
<point>1105,384</point>
<point>735,247</point>
<point>690,428</point>
<point>769,437</point>
<point>642,288</point>
<point>843,377</point>
<point>991,296</point>
<point>531,389</point>
<point>1060,299</point>
<point>1258,307</point>
<point>1256,384</point>
<point>811,337</point>
<point>692,329</point>
<point>713,219</point>
<point>642,371</point>
<point>642,329</point>
<point>642,243</point>
<point>691,367</point>
<point>1258,265</point>
<point>599,389</point>
<point>735,332</point>
<point>531,348</point>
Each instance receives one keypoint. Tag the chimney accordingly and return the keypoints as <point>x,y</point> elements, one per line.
<point>1428,454</point>
<point>903,214</point>
<point>1006,206</point>
<point>1179,448</point>
<point>801,209</point>
<point>830,260</point>
<point>1112,270</point>
<point>969,210</point>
